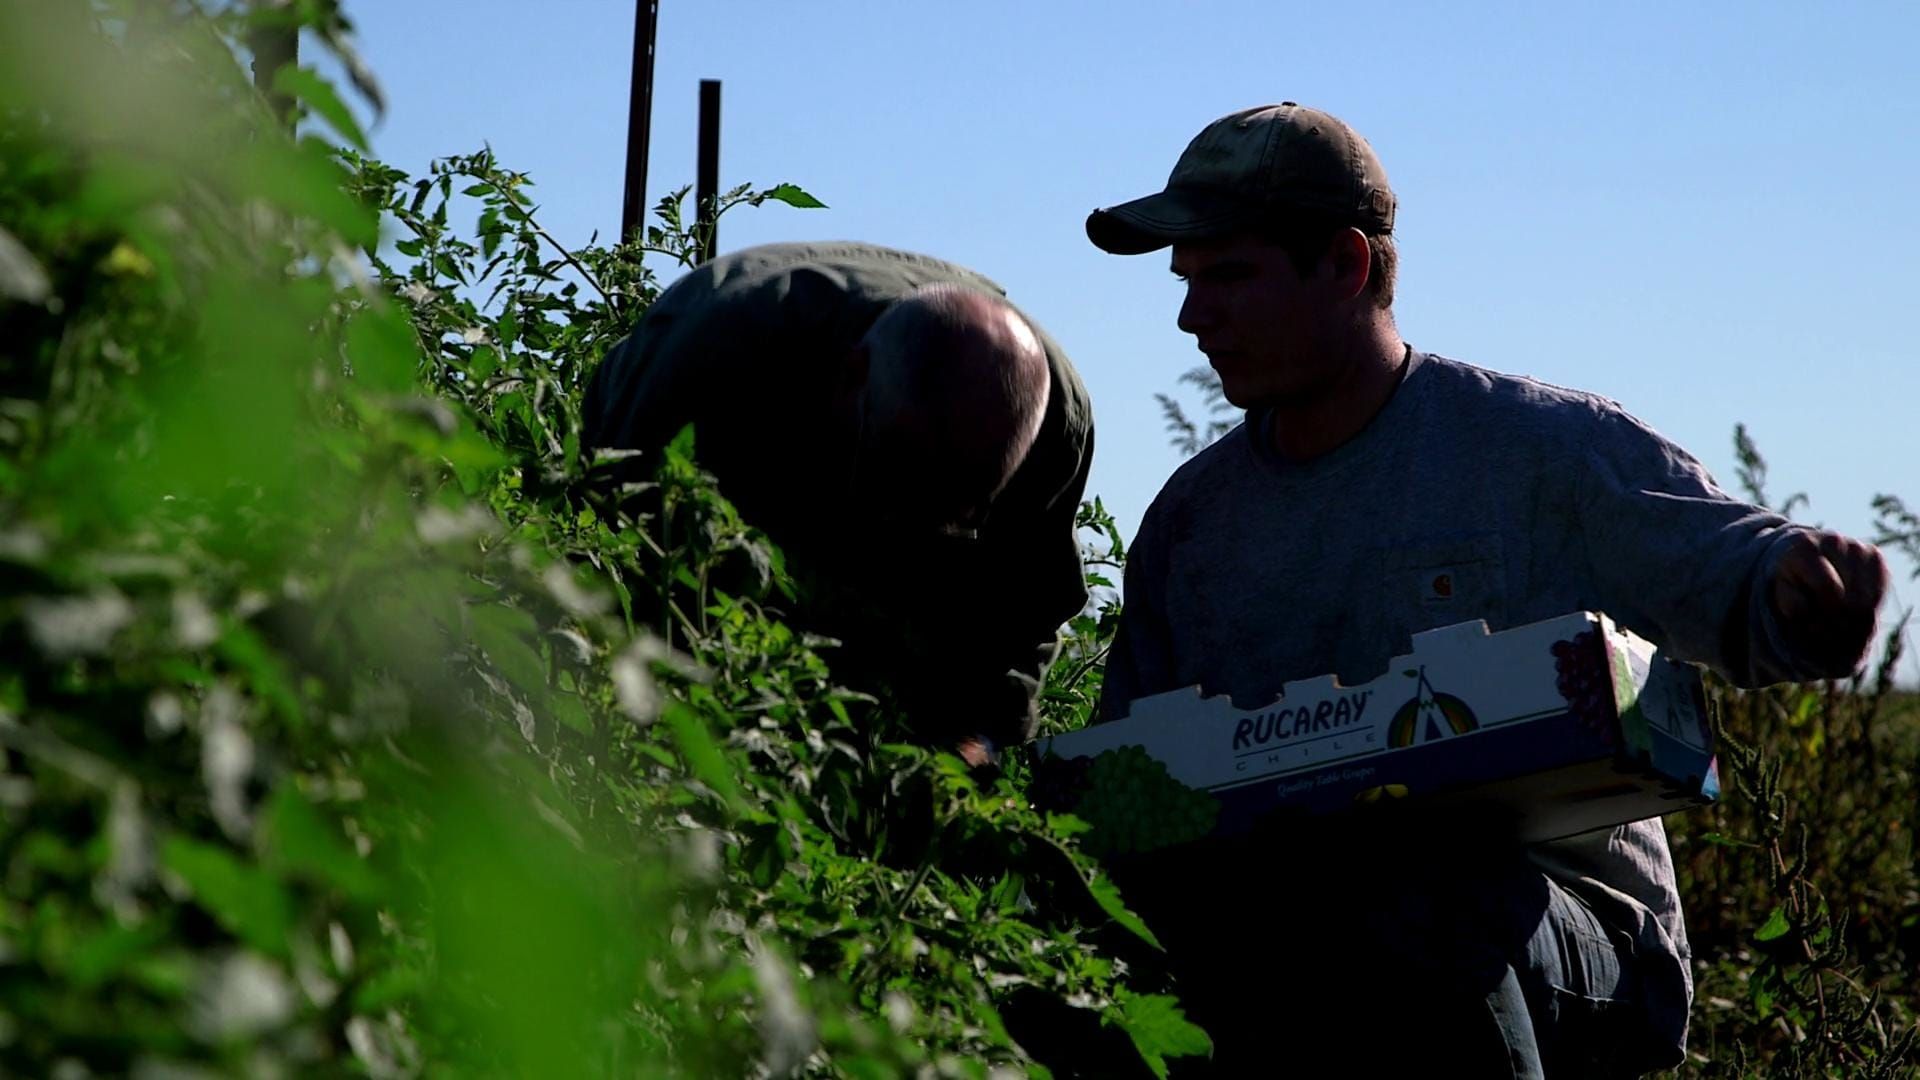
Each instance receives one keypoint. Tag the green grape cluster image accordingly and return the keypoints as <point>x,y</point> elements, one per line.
<point>1134,806</point>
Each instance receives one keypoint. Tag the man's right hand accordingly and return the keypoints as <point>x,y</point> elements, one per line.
<point>1825,592</point>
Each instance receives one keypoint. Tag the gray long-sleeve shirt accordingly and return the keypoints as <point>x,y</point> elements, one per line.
<point>1533,501</point>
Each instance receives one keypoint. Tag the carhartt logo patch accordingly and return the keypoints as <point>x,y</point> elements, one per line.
<point>1440,588</point>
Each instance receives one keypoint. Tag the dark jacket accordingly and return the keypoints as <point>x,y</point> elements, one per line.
<point>747,349</point>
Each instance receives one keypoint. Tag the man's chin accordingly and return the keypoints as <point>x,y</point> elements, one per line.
<point>1296,396</point>
<point>1239,394</point>
<point>1285,399</point>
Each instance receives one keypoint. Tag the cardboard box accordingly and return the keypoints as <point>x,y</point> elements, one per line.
<point>1570,724</point>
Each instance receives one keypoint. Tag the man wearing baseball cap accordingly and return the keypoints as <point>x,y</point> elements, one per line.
<point>1375,491</point>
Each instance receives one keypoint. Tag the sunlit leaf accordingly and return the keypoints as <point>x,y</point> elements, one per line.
<point>1776,926</point>
<point>1159,1029</point>
<point>792,195</point>
<point>1107,895</point>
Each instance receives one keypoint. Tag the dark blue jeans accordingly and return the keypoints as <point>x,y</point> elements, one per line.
<point>1365,954</point>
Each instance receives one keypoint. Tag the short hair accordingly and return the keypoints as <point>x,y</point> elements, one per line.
<point>1306,240</point>
<point>957,386</point>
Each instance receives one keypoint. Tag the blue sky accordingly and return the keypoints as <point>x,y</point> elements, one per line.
<point>1703,211</point>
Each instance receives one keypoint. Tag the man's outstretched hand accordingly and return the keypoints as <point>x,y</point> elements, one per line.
<point>1825,591</point>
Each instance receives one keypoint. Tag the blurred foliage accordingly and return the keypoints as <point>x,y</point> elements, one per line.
<point>351,723</point>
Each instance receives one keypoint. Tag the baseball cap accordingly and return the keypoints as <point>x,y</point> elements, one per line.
<point>1253,165</point>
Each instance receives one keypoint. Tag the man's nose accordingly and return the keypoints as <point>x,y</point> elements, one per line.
<point>1195,313</point>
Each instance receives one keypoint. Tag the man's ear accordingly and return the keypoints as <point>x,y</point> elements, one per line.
<point>1351,262</point>
<point>852,383</point>
<point>853,373</point>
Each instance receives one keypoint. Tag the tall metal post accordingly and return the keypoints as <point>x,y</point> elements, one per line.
<point>633,207</point>
<point>707,179</point>
<point>273,48</point>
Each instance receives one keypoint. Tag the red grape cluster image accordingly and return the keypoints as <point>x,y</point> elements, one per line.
<point>1128,797</point>
<point>1135,806</point>
<point>1586,681</point>
<point>1060,783</point>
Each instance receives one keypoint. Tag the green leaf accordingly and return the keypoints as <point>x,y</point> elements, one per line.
<point>388,988</point>
<point>1107,895</point>
<point>490,232</point>
<point>446,266</point>
<point>702,754</point>
<point>185,672</point>
<point>1006,893</point>
<point>568,709</point>
<point>1068,825</point>
<point>1763,989</point>
<point>318,94</point>
<point>383,349</point>
<point>793,196</point>
<point>504,633</point>
<point>513,406</point>
<point>867,1068</point>
<point>658,754</point>
<point>242,648</point>
<point>110,951</point>
<point>1158,1028</point>
<point>247,902</point>
<point>169,974</point>
<point>763,859</point>
<point>301,840</point>
<point>1803,708</point>
<point>308,183</point>
<point>483,363</point>
<point>474,460</point>
<point>1776,927</point>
